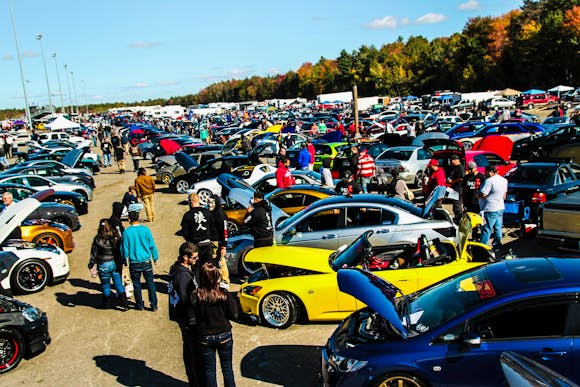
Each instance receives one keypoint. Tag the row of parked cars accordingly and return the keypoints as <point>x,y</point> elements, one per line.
<point>50,186</point>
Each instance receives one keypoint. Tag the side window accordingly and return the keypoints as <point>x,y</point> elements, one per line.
<point>481,161</point>
<point>217,165</point>
<point>422,154</point>
<point>388,217</point>
<point>35,182</point>
<point>492,159</point>
<point>565,175</point>
<point>41,172</point>
<point>288,200</point>
<point>309,199</point>
<point>362,217</point>
<point>576,170</point>
<point>513,322</point>
<point>320,221</point>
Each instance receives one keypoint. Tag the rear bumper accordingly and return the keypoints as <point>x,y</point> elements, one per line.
<point>564,243</point>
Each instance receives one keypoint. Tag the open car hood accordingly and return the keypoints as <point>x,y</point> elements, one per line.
<point>186,161</point>
<point>500,145</point>
<point>442,144</point>
<point>469,221</point>
<point>72,158</point>
<point>420,139</point>
<point>17,212</point>
<point>244,197</point>
<point>229,181</point>
<point>292,256</point>
<point>438,193</point>
<point>351,255</point>
<point>377,293</point>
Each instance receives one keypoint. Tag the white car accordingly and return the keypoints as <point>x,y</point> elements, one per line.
<point>409,161</point>
<point>206,188</point>
<point>42,183</point>
<point>48,136</point>
<point>500,103</point>
<point>28,267</point>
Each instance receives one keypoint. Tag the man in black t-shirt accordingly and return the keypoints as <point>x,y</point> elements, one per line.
<point>347,186</point>
<point>472,182</point>
<point>196,227</point>
<point>454,180</point>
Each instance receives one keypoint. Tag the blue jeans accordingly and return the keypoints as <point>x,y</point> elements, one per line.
<point>107,270</point>
<point>364,182</point>
<point>107,159</point>
<point>224,344</point>
<point>493,224</point>
<point>145,268</point>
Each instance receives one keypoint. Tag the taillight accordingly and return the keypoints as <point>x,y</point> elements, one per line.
<point>539,197</point>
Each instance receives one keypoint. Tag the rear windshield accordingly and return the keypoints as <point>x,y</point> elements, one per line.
<point>396,154</point>
<point>531,175</point>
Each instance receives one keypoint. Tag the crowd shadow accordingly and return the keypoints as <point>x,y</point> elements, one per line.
<point>82,283</point>
<point>284,365</point>
<point>133,372</point>
<point>81,298</point>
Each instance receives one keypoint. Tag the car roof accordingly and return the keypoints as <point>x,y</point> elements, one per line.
<point>368,199</point>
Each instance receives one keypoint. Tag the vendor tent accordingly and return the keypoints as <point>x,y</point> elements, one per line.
<point>560,88</point>
<point>61,123</point>
<point>533,91</point>
<point>508,92</point>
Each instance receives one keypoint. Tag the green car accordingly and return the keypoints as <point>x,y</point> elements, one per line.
<point>326,150</point>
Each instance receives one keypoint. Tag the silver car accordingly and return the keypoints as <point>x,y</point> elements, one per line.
<point>409,161</point>
<point>338,220</point>
<point>166,167</point>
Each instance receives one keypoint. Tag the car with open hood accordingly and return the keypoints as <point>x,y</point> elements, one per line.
<point>297,282</point>
<point>337,220</point>
<point>537,148</point>
<point>42,183</point>
<point>58,165</point>
<point>28,267</point>
<point>513,130</point>
<point>455,331</point>
<point>74,199</point>
<point>56,174</point>
<point>23,332</point>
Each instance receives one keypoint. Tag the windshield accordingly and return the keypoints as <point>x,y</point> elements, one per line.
<point>396,154</point>
<point>531,175</point>
<point>436,305</point>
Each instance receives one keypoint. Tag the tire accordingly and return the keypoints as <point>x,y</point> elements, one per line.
<point>49,238</point>
<point>182,186</point>
<point>30,276</point>
<point>530,106</point>
<point>418,180</point>
<point>279,310</point>
<point>246,174</point>
<point>233,228</point>
<point>467,145</point>
<point>400,380</point>
<point>149,155</point>
<point>166,178</point>
<point>204,195</point>
<point>495,107</point>
<point>11,349</point>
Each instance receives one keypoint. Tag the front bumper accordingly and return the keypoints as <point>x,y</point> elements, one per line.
<point>249,304</point>
<point>37,336</point>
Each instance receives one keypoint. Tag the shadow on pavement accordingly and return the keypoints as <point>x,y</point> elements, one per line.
<point>285,365</point>
<point>81,283</point>
<point>79,299</point>
<point>132,372</point>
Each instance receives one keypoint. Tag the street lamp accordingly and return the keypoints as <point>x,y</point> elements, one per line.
<point>75,91</point>
<point>39,37</point>
<point>26,108</point>
<point>68,86</point>
<point>85,92</point>
<point>59,88</point>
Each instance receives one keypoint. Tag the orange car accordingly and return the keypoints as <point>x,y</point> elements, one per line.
<point>48,232</point>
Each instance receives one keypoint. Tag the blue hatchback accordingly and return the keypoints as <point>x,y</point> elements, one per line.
<point>453,333</point>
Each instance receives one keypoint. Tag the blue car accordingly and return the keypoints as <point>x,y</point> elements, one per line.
<point>454,332</point>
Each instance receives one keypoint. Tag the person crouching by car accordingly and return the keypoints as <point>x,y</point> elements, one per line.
<point>258,220</point>
<point>182,283</point>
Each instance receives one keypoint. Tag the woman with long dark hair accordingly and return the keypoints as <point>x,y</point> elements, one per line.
<point>106,255</point>
<point>214,308</point>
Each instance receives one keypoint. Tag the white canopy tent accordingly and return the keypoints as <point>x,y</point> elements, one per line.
<point>560,89</point>
<point>61,123</point>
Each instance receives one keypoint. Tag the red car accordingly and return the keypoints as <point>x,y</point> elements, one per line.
<point>529,101</point>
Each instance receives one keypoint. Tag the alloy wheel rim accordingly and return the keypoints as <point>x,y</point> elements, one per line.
<point>182,186</point>
<point>399,381</point>
<point>32,276</point>
<point>8,351</point>
<point>276,310</point>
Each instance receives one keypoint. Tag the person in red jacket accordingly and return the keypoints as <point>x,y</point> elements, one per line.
<point>437,177</point>
<point>284,178</point>
<point>312,152</point>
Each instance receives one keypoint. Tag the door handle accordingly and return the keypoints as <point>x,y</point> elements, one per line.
<point>549,354</point>
<point>383,231</point>
<point>329,236</point>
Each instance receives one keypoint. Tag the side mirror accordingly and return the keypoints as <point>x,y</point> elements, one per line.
<point>291,231</point>
<point>470,340</point>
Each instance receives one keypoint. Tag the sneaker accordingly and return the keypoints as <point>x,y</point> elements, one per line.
<point>154,308</point>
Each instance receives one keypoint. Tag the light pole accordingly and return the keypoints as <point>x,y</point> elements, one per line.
<point>28,118</point>
<point>85,92</point>
<point>39,37</point>
<point>75,92</point>
<point>70,107</point>
<point>58,78</point>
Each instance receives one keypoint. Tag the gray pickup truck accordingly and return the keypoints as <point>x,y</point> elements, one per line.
<point>560,223</point>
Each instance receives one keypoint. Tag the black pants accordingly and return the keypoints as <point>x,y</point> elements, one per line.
<point>263,242</point>
<point>457,209</point>
<point>191,356</point>
<point>205,253</point>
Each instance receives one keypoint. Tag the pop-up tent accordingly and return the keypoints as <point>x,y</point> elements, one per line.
<point>61,123</point>
<point>560,89</point>
<point>533,91</point>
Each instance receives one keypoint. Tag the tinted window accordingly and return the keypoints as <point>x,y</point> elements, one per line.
<point>396,154</point>
<point>35,181</point>
<point>288,200</point>
<point>481,160</point>
<point>422,154</point>
<point>531,175</point>
<point>320,221</point>
<point>493,159</point>
<point>565,175</point>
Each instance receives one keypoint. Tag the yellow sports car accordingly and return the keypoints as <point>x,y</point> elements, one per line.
<point>47,232</point>
<point>300,282</point>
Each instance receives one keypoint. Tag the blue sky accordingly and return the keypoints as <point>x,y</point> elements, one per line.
<point>128,50</point>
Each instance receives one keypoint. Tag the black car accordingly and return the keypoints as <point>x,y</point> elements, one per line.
<point>55,174</point>
<point>75,199</point>
<point>211,169</point>
<point>535,183</point>
<point>23,332</point>
<point>539,147</point>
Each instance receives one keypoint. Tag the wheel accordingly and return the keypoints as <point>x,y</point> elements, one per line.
<point>166,178</point>
<point>246,174</point>
<point>279,310</point>
<point>67,202</point>
<point>531,106</point>
<point>400,380</point>
<point>182,186</point>
<point>49,239</point>
<point>204,195</point>
<point>149,155</point>
<point>80,191</point>
<point>418,180</point>
<point>11,349</point>
<point>233,228</point>
<point>495,107</point>
<point>30,276</point>
<point>467,145</point>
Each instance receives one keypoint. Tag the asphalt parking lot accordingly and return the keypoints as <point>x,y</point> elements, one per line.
<point>141,348</point>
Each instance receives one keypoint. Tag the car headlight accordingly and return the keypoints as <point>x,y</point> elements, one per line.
<point>32,314</point>
<point>251,290</point>
<point>343,364</point>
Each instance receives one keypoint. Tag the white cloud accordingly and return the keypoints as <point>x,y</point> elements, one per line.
<point>237,73</point>
<point>97,97</point>
<point>7,57</point>
<point>138,85</point>
<point>430,18</point>
<point>405,21</point>
<point>469,5</point>
<point>30,54</point>
<point>274,71</point>
<point>144,44</point>
<point>388,22</point>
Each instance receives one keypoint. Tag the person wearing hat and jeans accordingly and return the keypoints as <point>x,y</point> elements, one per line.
<point>494,192</point>
<point>455,178</point>
<point>138,248</point>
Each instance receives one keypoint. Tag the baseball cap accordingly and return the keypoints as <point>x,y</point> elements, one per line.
<point>454,157</point>
<point>433,162</point>
<point>471,165</point>
<point>135,207</point>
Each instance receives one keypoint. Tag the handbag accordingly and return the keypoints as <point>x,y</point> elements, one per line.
<point>409,195</point>
<point>127,282</point>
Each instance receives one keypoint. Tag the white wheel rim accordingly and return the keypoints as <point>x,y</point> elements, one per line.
<point>276,310</point>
